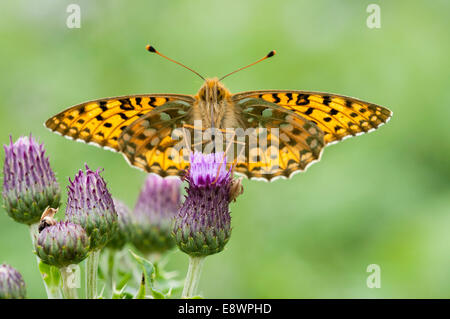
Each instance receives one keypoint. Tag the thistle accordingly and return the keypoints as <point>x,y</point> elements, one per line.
<point>12,285</point>
<point>124,231</point>
<point>90,205</point>
<point>157,204</point>
<point>203,224</point>
<point>62,244</point>
<point>29,184</point>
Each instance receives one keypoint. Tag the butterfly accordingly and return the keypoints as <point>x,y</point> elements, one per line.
<point>291,128</point>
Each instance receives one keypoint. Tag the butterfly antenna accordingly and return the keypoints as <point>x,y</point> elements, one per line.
<point>269,55</point>
<point>153,50</point>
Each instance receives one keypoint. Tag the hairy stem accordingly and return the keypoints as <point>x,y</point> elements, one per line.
<point>193,276</point>
<point>111,262</point>
<point>91,274</point>
<point>69,290</point>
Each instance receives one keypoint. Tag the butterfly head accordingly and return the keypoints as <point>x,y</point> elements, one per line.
<point>213,91</point>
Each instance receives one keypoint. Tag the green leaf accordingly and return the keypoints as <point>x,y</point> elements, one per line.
<point>100,273</point>
<point>141,292</point>
<point>149,272</point>
<point>50,274</point>
<point>122,283</point>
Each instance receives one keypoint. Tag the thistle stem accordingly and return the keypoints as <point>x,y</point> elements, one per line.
<point>69,291</point>
<point>91,274</point>
<point>111,262</point>
<point>53,291</point>
<point>193,276</point>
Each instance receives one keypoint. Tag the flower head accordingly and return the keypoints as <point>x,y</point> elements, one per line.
<point>29,184</point>
<point>62,244</point>
<point>157,204</point>
<point>203,225</point>
<point>124,231</point>
<point>12,285</point>
<point>90,205</point>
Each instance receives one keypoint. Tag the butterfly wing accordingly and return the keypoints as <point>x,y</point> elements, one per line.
<point>336,115</point>
<point>156,141</point>
<point>283,141</point>
<point>101,122</point>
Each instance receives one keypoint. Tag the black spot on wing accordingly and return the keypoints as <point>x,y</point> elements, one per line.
<point>309,111</point>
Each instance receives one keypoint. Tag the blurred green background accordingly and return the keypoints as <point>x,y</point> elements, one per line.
<point>381,198</point>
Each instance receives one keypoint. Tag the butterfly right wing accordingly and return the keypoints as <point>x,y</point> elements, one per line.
<point>279,142</point>
<point>101,122</point>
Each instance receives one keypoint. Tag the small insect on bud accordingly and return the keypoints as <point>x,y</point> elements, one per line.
<point>47,218</point>
<point>236,189</point>
<point>62,244</point>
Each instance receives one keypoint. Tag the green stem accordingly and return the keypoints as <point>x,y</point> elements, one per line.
<point>69,291</point>
<point>53,291</point>
<point>91,274</point>
<point>193,276</point>
<point>111,260</point>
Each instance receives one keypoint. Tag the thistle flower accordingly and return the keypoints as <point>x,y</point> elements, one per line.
<point>90,205</point>
<point>124,231</point>
<point>157,204</point>
<point>202,226</point>
<point>62,244</point>
<point>29,184</point>
<point>12,285</point>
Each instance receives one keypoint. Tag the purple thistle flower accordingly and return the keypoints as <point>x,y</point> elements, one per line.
<point>12,285</point>
<point>62,244</point>
<point>90,205</point>
<point>203,225</point>
<point>29,184</point>
<point>157,204</point>
<point>124,231</point>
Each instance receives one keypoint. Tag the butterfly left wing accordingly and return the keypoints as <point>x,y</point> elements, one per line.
<point>158,142</point>
<point>101,122</point>
<point>337,116</point>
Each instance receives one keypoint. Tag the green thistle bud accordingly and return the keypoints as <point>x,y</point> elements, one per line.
<point>124,231</point>
<point>62,244</point>
<point>157,204</point>
<point>29,184</point>
<point>90,205</point>
<point>12,285</point>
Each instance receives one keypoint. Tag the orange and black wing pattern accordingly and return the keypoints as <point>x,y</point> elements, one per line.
<point>102,122</point>
<point>155,141</point>
<point>336,115</point>
<point>279,141</point>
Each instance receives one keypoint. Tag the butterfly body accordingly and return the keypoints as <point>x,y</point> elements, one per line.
<point>214,106</point>
<point>274,133</point>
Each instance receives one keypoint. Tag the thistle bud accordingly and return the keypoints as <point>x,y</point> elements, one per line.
<point>157,204</point>
<point>91,206</point>
<point>203,225</point>
<point>29,184</point>
<point>124,231</point>
<point>62,244</point>
<point>12,285</point>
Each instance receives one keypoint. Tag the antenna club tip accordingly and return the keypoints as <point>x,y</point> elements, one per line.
<point>149,48</point>
<point>271,53</point>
